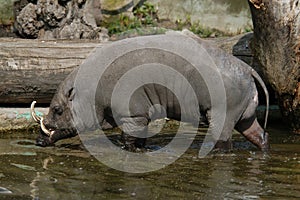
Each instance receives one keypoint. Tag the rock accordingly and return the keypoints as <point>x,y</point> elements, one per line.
<point>51,12</point>
<point>78,30</point>
<point>61,19</point>
<point>91,13</point>
<point>111,9</point>
<point>27,23</point>
<point>75,30</point>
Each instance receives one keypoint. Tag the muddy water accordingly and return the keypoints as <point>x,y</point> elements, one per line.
<point>67,171</point>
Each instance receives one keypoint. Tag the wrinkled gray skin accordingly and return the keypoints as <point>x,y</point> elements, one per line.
<point>241,96</point>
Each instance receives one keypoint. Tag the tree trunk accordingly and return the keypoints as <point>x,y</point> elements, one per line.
<point>276,45</point>
<point>32,69</point>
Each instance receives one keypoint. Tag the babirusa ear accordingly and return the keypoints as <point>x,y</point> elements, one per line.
<point>71,94</point>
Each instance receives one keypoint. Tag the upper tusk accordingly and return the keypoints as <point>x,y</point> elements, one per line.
<point>44,129</point>
<point>33,114</point>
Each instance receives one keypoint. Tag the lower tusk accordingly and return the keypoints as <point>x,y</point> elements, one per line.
<point>44,129</point>
<point>33,114</point>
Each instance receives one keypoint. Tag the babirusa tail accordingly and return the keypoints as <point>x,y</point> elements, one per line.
<point>261,82</point>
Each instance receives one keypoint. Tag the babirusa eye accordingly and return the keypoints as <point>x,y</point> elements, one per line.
<point>57,110</point>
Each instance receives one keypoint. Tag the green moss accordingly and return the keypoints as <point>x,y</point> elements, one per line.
<point>146,16</point>
<point>198,28</point>
<point>205,32</point>
<point>143,16</point>
<point>6,12</point>
<point>123,23</point>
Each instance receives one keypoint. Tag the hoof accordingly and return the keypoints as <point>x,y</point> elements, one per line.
<point>224,146</point>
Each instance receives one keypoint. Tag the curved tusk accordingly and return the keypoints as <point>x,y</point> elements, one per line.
<point>33,114</point>
<point>44,129</point>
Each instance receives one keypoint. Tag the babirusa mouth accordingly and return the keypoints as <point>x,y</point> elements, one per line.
<point>34,116</point>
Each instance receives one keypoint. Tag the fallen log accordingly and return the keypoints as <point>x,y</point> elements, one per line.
<point>32,69</point>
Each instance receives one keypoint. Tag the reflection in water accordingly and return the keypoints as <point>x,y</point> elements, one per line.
<point>69,172</point>
<point>34,192</point>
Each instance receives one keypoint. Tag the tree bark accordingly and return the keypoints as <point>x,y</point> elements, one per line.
<point>32,69</point>
<point>276,45</point>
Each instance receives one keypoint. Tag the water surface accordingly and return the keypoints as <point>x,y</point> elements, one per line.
<point>67,171</point>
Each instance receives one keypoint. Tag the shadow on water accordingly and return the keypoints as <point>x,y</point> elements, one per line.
<point>67,171</point>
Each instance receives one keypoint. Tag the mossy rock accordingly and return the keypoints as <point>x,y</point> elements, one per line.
<point>115,7</point>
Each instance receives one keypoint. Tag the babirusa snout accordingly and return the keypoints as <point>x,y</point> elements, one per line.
<point>44,129</point>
